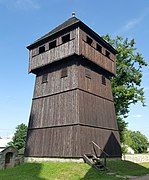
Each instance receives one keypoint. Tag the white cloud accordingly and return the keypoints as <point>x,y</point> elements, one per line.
<point>132,23</point>
<point>137,116</point>
<point>20,4</point>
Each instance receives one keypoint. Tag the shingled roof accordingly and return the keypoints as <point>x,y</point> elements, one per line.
<point>64,25</point>
<point>68,23</point>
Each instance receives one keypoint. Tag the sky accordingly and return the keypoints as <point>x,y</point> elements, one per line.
<point>23,21</point>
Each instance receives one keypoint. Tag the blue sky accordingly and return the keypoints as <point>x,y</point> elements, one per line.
<point>23,21</point>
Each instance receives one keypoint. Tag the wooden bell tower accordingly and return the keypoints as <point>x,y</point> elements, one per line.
<point>72,103</point>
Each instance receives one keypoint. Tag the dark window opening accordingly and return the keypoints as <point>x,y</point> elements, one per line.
<point>89,40</point>
<point>41,49</point>
<point>52,44</point>
<point>66,38</point>
<point>88,73</point>
<point>64,73</point>
<point>99,48</point>
<point>107,54</point>
<point>44,78</point>
<point>8,157</point>
<point>103,80</point>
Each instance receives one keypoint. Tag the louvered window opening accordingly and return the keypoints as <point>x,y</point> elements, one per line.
<point>64,73</point>
<point>44,78</point>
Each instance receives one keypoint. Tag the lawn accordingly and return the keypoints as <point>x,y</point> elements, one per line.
<point>72,171</point>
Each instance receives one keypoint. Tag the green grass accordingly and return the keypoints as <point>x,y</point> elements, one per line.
<point>71,171</point>
<point>128,168</point>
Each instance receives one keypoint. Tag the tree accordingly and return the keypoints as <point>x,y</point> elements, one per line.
<point>19,138</point>
<point>127,137</point>
<point>137,141</point>
<point>126,86</point>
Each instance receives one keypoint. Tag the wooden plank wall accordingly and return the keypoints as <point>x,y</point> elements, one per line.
<point>71,141</point>
<point>96,106</point>
<point>55,84</point>
<point>96,86</point>
<point>62,103</point>
<point>53,142</point>
<point>59,52</point>
<point>56,101</point>
<point>108,140</point>
<point>96,111</point>
<point>76,45</point>
<point>90,52</point>
<point>55,110</point>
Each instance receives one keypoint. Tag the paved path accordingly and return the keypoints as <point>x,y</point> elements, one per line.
<point>146,177</point>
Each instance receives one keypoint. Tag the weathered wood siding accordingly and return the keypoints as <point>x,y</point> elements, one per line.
<point>108,140</point>
<point>93,83</point>
<point>77,45</point>
<point>61,51</point>
<point>53,142</point>
<point>56,101</point>
<point>68,113</point>
<point>96,111</point>
<point>71,141</point>
<point>91,53</point>
<point>55,83</point>
<point>55,110</point>
<point>96,106</point>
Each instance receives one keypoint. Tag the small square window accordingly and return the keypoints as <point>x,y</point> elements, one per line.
<point>107,54</point>
<point>66,38</point>
<point>88,83</point>
<point>41,49</point>
<point>103,80</point>
<point>88,73</point>
<point>44,78</point>
<point>52,44</point>
<point>98,48</point>
<point>89,40</point>
<point>64,72</point>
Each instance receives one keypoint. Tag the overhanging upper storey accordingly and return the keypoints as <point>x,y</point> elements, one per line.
<point>71,37</point>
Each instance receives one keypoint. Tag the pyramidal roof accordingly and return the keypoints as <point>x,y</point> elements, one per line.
<point>71,21</point>
<point>68,23</point>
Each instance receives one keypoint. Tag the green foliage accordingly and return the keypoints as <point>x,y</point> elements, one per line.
<point>124,149</point>
<point>126,86</point>
<point>137,141</point>
<point>18,140</point>
<point>122,127</point>
<point>127,137</point>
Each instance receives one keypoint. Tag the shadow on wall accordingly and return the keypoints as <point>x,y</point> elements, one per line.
<point>112,147</point>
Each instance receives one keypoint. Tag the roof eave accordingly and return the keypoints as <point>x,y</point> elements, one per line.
<point>97,36</point>
<point>44,39</point>
<point>77,23</point>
